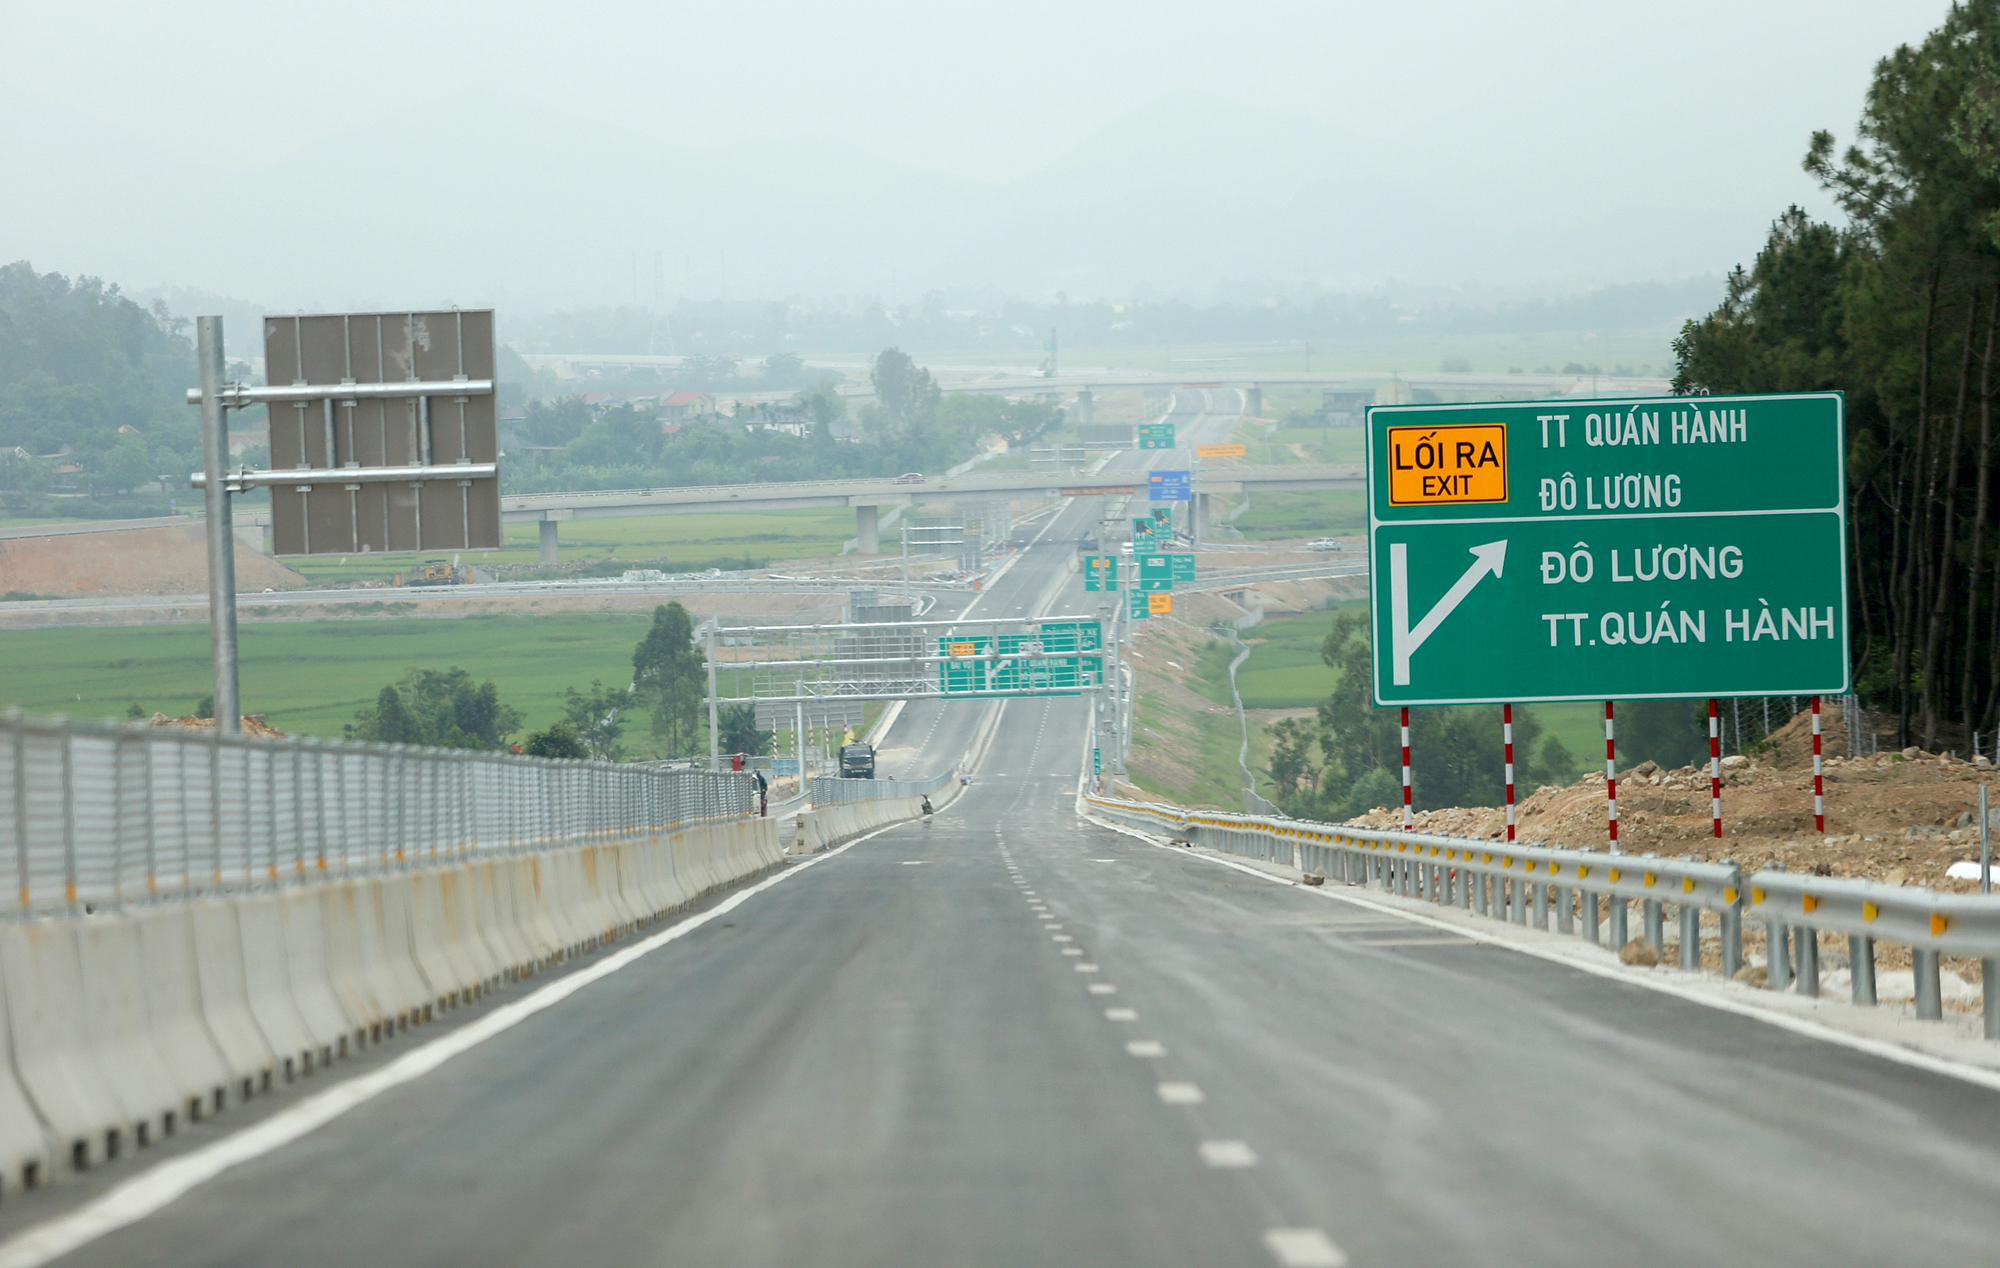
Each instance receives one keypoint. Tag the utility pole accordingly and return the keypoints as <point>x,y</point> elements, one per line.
<point>221,534</point>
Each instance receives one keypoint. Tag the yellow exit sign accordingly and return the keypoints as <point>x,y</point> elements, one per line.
<point>1219,451</point>
<point>1159,604</point>
<point>1465,463</point>
<point>962,649</point>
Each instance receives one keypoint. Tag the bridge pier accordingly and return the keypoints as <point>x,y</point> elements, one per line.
<point>867,531</point>
<point>1084,405</point>
<point>1198,526</point>
<point>548,528</point>
<point>1253,401</point>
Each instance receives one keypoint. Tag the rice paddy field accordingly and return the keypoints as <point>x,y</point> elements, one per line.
<point>308,678</point>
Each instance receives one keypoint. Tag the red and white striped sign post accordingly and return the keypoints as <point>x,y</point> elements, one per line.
<point>1409,820</point>
<point>1611,777</point>
<point>1819,788</point>
<point>1507,740</point>
<point>1714,770</point>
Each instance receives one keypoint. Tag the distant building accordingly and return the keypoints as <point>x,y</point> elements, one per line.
<point>686,405</point>
<point>600,400</point>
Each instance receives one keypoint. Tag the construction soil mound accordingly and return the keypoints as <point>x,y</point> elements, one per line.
<point>1899,817</point>
<point>172,559</point>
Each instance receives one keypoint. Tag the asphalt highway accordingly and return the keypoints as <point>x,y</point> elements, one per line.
<point>1011,1037</point>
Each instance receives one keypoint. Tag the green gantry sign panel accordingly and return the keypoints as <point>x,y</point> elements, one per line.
<point>1100,573</point>
<point>1608,549</point>
<point>1054,664</point>
<point>1156,435</point>
<point>1183,567</point>
<point>1156,572</point>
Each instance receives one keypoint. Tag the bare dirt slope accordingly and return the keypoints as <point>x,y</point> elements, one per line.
<point>167,560</point>
<point>1900,817</point>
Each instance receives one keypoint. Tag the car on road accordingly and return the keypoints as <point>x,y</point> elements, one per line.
<point>1324,543</point>
<point>910,477</point>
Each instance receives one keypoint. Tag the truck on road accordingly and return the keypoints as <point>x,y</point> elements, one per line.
<point>857,761</point>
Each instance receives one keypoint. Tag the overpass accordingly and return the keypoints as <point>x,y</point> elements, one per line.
<point>867,495</point>
<point>514,1012</point>
<point>985,379</point>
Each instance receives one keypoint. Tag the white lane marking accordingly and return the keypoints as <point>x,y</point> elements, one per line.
<point>1228,1153</point>
<point>1029,892</point>
<point>913,862</point>
<point>1181,1094</point>
<point>1062,937</point>
<point>1086,968</point>
<point>1072,950</point>
<point>1120,1014</point>
<point>154,1189</point>
<point>1052,926</point>
<point>1303,1248</point>
<point>1102,988</point>
<point>1146,1048</point>
<point>1104,860</point>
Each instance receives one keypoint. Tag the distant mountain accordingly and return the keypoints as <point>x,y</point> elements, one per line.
<point>535,210</point>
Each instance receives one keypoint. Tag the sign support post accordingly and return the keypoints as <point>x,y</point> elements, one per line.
<point>221,529</point>
<point>1714,770</point>
<point>1507,742</point>
<point>1819,788</point>
<point>1409,820</point>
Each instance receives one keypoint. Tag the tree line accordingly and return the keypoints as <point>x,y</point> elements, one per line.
<point>1899,308</point>
<point>447,709</point>
<point>909,426</point>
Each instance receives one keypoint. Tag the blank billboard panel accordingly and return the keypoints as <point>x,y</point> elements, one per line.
<point>323,514</point>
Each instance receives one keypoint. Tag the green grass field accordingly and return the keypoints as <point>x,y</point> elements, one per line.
<point>308,678</point>
<point>688,542</point>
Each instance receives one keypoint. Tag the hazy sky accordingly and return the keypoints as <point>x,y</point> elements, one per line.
<point>1716,96</point>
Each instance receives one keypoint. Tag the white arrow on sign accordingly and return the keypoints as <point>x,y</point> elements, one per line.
<point>1404,641</point>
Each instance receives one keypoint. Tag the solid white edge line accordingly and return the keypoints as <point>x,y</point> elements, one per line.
<point>157,1187</point>
<point>1798,1025</point>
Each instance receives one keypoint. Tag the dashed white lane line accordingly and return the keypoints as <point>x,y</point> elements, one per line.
<point>1181,1093</point>
<point>1072,950</point>
<point>1062,937</point>
<point>1102,988</point>
<point>913,862</point>
<point>1303,1248</point>
<point>1086,968</point>
<point>1104,860</point>
<point>1051,926</point>
<point>1120,1014</point>
<point>1228,1153</point>
<point>1146,1048</point>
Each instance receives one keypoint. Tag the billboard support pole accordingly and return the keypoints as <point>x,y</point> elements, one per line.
<point>221,530</point>
<point>714,726</point>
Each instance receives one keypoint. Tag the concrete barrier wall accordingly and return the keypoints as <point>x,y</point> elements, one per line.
<point>826,826</point>
<point>123,1025</point>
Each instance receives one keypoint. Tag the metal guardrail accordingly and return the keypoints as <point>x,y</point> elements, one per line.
<point>96,814</point>
<point>1533,884</point>
<point>828,791</point>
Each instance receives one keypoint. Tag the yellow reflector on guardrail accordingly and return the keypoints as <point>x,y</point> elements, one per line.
<point>1938,924</point>
<point>1808,903</point>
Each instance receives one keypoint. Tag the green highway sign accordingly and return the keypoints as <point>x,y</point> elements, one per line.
<point>1183,567</point>
<point>1156,435</point>
<point>1100,572</point>
<point>1608,549</point>
<point>1156,572</point>
<point>1047,662</point>
<point>1136,604</point>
